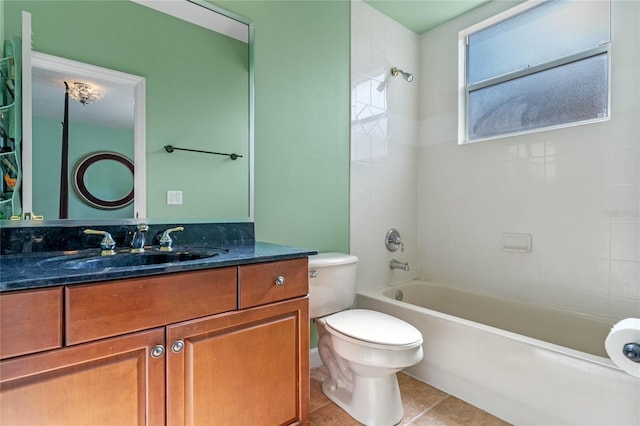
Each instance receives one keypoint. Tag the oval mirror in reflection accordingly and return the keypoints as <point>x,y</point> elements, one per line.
<point>104,180</point>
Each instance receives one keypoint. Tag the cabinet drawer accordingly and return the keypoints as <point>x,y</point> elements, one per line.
<point>30,321</point>
<point>257,283</point>
<point>95,311</point>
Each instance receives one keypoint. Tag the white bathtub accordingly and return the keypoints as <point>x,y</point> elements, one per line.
<point>480,348</point>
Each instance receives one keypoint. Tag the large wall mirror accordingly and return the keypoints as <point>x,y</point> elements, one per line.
<point>172,73</point>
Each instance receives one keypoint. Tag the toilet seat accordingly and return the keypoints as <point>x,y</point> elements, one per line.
<point>373,329</point>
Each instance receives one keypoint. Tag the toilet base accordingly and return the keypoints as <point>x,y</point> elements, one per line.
<point>364,403</point>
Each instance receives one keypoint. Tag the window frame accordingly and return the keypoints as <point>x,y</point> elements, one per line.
<point>464,89</point>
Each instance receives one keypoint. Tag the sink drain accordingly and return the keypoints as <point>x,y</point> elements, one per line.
<point>398,295</point>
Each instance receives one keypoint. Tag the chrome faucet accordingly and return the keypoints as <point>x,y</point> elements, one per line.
<point>107,245</point>
<point>396,264</point>
<point>138,239</point>
<point>165,239</point>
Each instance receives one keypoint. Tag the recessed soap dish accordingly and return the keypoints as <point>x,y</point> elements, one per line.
<point>516,242</point>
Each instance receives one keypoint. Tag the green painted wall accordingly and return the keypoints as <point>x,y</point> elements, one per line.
<point>301,57</point>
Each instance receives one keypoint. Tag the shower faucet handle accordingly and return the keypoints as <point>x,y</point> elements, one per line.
<point>393,241</point>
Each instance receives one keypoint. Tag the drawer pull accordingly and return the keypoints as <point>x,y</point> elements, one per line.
<point>177,346</point>
<point>280,281</point>
<point>157,351</point>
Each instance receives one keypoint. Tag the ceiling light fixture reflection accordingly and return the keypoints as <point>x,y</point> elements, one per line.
<point>85,93</point>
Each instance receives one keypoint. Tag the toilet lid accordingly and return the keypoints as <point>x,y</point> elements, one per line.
<point>373,326</point>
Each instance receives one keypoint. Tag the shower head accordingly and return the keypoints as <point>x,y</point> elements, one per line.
<point>406,75</point>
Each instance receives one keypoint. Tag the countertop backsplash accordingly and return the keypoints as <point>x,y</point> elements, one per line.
<point>37,239</point>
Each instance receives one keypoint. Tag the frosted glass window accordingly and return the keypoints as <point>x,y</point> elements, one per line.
<point>547,32</point>
<point>570,93</point>
<point>535,67</point>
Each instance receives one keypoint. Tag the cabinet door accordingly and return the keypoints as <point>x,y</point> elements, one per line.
<point>111,382</point>
<point>245,368</point>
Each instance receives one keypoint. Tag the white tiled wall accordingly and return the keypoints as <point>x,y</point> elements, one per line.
<point>576,190</point>
<point>384,145</point>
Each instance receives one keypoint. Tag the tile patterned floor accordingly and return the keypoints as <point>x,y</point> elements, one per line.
<point>423,405</point>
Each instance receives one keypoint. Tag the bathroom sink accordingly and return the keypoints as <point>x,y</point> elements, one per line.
<point>125,260</point>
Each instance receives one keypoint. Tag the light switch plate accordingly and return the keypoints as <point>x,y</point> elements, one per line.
<point>174,197</point>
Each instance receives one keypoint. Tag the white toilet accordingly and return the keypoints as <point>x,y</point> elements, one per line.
<point>362,349</point>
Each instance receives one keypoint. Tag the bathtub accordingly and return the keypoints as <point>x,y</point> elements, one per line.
<point>528,364</point>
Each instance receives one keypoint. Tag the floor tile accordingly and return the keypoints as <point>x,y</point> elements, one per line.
<point>455,412</point>
<point>332,415</point>
<point>423,405</point>
<point>317,397</point>
<point>417,397</point>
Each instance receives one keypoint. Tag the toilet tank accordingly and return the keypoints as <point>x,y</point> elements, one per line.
<point>332,283</point>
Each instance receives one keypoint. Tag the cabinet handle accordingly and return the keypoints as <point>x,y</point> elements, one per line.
<point>157,351</point>
<point>177,346</point>
<point>280,281</point>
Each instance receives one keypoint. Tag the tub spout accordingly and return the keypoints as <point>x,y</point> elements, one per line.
<point>396,264</point>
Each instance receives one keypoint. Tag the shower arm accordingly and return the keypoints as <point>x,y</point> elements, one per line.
<point>406,75</point>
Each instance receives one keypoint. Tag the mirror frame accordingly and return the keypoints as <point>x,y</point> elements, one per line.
<point>27,216</point>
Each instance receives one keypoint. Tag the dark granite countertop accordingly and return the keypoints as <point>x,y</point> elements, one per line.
<point>30,271</point>
<point>36,255</point>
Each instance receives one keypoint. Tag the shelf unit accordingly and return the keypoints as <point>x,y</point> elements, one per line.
<point>10,129</point>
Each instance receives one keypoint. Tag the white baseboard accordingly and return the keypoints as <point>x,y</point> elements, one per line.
<point>314,358</point>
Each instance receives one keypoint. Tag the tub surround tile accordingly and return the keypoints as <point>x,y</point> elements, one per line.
<point>575,189</point>
<point>625,307</point>
<point>384,144</point>
<point>625,279</point>
<point>625,241</point>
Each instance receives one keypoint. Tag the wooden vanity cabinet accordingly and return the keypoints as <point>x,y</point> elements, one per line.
<point>248,367</point>
<point>31,321</point>
<point>172,350</point>
<point>245,368</point>
<point>109,382</point>
<point>264,283</point>
<point>95,311</point>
